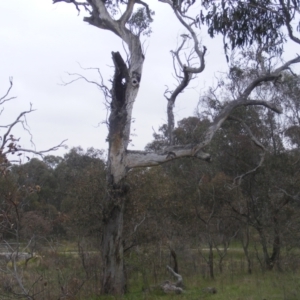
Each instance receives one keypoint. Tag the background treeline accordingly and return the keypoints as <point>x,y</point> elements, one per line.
<point>187,213</point>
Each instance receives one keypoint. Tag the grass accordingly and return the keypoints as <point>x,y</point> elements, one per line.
<point>269,286</point>
<point>61,272</point>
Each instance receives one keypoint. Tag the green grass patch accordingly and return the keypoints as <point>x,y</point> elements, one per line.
<point>269,286</point>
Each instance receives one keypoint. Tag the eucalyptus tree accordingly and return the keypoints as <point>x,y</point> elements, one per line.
<point>128,20</point>
<point>267,197</point>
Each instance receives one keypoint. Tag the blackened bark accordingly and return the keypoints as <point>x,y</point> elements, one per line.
<point>125,87</point>
<point>124,90</point>
<point>174,256</point>
<point>113,275</point>
<point>113,278</point>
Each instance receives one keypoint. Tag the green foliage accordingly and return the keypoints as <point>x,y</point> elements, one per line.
<point>55,195</point>
<point>237,21</point>
<point>140,22</point>
<point>188,131</point>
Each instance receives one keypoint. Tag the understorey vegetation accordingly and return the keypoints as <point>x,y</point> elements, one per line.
<point>210,226</point>
<point>209,204</point>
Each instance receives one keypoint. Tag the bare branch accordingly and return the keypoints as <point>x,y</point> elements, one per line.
<point>42,152</point>
<point>293,197</point>
<point>139,224</point>
<point>9,144</point>
<point>199,53</point>
<point>105,90</point>
<point>4,99</point>
<point>136,159</point>
<point>187,69</point>
<point>287,65</point>
<point>5,138</point>
<point>143,158</point>
<point>76,3</point>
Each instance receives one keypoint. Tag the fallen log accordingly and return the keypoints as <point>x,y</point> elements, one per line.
<point>210,290</point>
<point>169,287</point>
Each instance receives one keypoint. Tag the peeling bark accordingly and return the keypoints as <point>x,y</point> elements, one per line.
<point>113,278</point>
<point>125,86</point>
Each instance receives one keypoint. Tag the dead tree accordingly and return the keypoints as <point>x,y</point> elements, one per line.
<point>170,287</point>
<point>125,86</point>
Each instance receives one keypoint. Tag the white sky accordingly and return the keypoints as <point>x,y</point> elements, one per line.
<point>40,42</point>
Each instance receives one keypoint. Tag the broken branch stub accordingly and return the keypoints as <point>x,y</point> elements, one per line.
<point>170,287</point>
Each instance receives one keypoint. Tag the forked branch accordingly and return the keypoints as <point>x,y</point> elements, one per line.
<point>9,143</point>
<point>187,69</point>
<point>4,98</point>
<point>76,3</point>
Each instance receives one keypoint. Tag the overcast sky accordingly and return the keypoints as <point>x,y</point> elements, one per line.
<point>41,42</point>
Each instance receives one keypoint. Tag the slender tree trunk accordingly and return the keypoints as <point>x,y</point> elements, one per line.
<point>276,244</point>
<point>271,260</point>
<point>249,263</point>
<point>267,260</point>
<point>222,254</point>
<point>245,243</point>
<point>211,261</point>
<point>221,264</point>
<point>174,256</point>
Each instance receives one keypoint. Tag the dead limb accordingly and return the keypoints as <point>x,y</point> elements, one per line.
<point>4,98</point>
<point>178,276</point>
<point>184,71</point>
<point>9,144</point>
<point>169,287</point>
